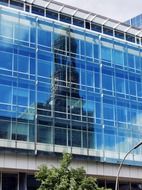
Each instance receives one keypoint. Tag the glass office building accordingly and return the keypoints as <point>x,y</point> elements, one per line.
<point>135,21</point>
<point>71,81</point>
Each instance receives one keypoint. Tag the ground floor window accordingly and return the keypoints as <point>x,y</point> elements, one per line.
<point>9,181</point>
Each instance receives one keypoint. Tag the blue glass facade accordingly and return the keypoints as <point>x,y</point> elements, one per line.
<point>65,86</point>
<point>135,21</point>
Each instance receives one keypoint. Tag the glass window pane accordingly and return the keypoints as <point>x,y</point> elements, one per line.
<point>27,8</point>
<point>37,10</point>
<point>52,14</point>
<point>21,32</point>
<point>32,66</point>
<point>137,63</point>
<point>59,42</point>
<point>44,68</point>
<point>44,134</point>
<point>108,31</point>
<point>109,141</point>
<point>91,140</point>
<point>125,185</point>
<point>74,46</point>
<point>21,96</point>
<point>31,133</point>
<point>131,62</point>
<point>20,131</point>
<point>65,18</point>
<point>3,2</point>
<point>6,60</point>
<point>87,25</point>
<point>6,28</point>
<point>21,64</point>
<point>107,82</point>
<point>60,136</point>
<point>97,80</point>
<point>130,38</point>
<point>111,185</point>
<point>5,129</point>
<point>82,47</point>
<point>5,96</point>
<point>96,27</point>
<point>98,141</point>
<point>118,57</point>
<point>32,183</point>
<point>89,48</point>
<point>90,80</point>
<point>120,85</point>
<point>119,34</point>
<point>76,138</point>
<point>132,86</point>
<point>78,22</point>
<point>9,181</point>
<point>121,114</point>
<point>108,111</point>
<point>16,4</point>
<point>139,89</point>
<point>106,53</point>
<point>96,51</point>
<point>43,98</point>
<point>44,38</point>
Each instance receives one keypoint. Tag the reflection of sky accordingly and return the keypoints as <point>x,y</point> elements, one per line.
<point>124,142</point>
<point>7,28</point>
<point>128,137</point>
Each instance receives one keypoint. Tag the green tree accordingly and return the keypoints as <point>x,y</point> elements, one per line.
<point>65,177</point>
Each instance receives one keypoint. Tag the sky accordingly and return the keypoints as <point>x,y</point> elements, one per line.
<point>120,10</point>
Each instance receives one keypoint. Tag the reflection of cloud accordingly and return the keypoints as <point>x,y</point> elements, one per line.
<point>6,26</point>
<point>128,137</point>
<point>125,145</point>
<point>138,119</point>
<point>18,28</point>
<point>128,142</point>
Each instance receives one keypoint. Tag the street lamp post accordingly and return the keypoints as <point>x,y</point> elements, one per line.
<point>120,166</point>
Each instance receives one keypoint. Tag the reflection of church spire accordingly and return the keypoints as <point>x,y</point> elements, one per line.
<point>66,78</point>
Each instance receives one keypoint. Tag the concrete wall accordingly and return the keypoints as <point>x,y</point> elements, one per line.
<point>29,163</point>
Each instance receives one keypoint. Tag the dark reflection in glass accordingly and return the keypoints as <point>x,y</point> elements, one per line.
<point>66,80</point>
<point>111,185</point>
<point>101,182</point>
<point>65,18</point>
<point>16,4</point>
<point>78,22</point>
<point>32,183</point>
<point>9,181</point>
<point>51,14</point>
<point>44,134</point>
<point>65,101</point>
<point>3,2</point>
<point>136,186</point>
<point>37,10</point>
<point>124,186</point>
<point>5,129</point>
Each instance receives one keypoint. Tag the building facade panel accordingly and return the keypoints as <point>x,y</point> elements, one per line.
<point>67,88</point>
<point>64,86</point>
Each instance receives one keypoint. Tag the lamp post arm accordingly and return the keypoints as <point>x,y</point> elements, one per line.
<point>116,183</point>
